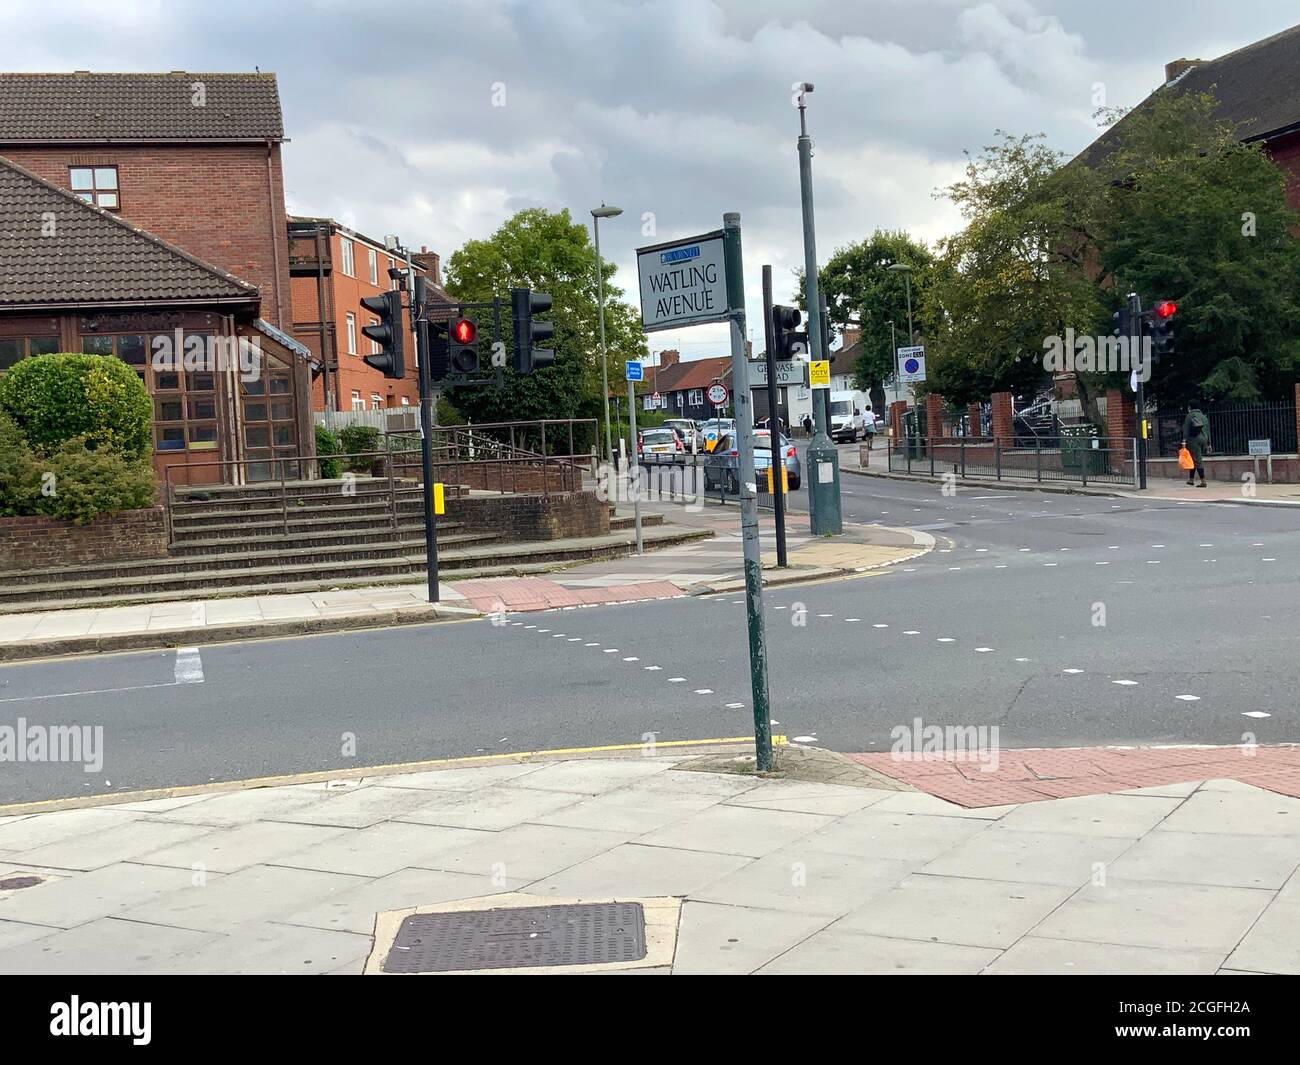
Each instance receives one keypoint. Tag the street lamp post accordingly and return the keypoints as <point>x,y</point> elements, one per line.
<point>597,213</point>
<point>906,271</point>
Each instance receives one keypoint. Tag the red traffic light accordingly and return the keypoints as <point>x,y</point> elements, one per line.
<point>463,331</point>
<point>1166,309</point>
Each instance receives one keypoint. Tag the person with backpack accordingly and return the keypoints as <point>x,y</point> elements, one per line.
<point>1196,438</point>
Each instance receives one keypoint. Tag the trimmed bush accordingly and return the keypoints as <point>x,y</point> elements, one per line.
<point>55,398</point>
<point>88,482</point>
<point>20,473</point>
<point>357,439</point>
<point>327,443</point>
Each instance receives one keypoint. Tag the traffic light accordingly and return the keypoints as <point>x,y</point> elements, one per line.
<point>1162,328</point>
<point>1123,322</point>
<point>439,351</point>
<point>389,333</point>
<point>524,303</point>
<point>463,341</point>
<point>786,341</point>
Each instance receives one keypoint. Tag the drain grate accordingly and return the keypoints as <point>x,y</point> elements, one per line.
<point>580,934</point>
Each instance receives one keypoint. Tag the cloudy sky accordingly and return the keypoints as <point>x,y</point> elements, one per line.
<point>675,110</point>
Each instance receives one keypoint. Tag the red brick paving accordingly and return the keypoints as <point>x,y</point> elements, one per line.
<point>522,594</point>
<point>1055,773</point>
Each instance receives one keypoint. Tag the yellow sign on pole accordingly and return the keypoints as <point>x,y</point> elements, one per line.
<point>439,506</point>
<point>819,373</point>
<point>785,480</point>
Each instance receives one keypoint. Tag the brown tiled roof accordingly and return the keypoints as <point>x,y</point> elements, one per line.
<point>93,108</point>
<point>699,373</point>
<point>1257,88</point>
<point>57,250</point>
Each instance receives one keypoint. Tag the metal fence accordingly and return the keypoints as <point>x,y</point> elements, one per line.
<point>1232,427</point>
<point>1081,459</point>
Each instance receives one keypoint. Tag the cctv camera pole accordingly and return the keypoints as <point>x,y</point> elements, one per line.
<point>774,422</point>
<point>823,459</point>
<point>744,413</point>
<point>418,291</point>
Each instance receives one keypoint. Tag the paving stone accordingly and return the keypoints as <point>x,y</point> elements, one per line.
<point>1210,858</point>
<point>976,913</point>
<point>734,940</point>
<point>593,776</point>
<point>358,808</point>
<point>354,910</point>
<point>380,849</point>
<point>227,850</point>
<point>1092,815</point>
<point>241,807</point>
<point>1033,956</point>
<point>1255,813</point>
<point>118,843</point>
<point>1028,857</point>
<point>467,779</point>
<point>835,953</point>
<point>12,933</point>
<point>89,896</point>
<point>259,893</point>
<point>737,830</point>
<point>1273,943</point>
<point>490,809</point>
<point>906,837</point>
<point>1146,914</point>
<point>798,796</point>
<point>918,802</point>
<point>635,870</point>
<point>106,947</point>
<point>266,949</point>
<point>526,852</point>
<point>28,833</point>
<point>798,880</point>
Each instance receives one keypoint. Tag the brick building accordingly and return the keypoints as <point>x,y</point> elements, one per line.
<point>183,172</point>
<point>332,268</point>
<point>682,385</point>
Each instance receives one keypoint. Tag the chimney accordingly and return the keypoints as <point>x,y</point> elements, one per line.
<point>431,261</point>
<point>749,349</point>
<point>669,357</point>
<point>1176,68</point>
<point>851,335</point>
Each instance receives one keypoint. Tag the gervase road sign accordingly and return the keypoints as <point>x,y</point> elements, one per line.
<point>718,395</point>
<point>635,372</point>
<point>1259,447</point>
<point>911,364</point>
<point>682,283</point>
<point>787,373</point>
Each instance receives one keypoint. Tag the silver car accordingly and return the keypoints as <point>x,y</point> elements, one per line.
<point>763,458</point>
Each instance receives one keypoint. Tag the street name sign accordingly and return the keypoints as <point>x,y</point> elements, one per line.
<point>683,283</point>
<point>911,364</point>
<point>1260,447</point>
<point>787,373</point>
<point>635,371</point>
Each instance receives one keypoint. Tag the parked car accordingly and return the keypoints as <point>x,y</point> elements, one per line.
<point>763,457</point>
<point>717,427</point>
<point>658,442</point>
<point>846,416</point>
<point>688,431</point>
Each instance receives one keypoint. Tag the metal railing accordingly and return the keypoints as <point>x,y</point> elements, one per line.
<point>1081,459</point>
<point>1231,428</point>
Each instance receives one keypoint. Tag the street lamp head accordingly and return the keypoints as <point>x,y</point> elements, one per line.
<point>606,212</point>
<point>900,268</point>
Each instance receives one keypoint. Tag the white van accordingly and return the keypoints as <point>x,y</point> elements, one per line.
<point>847,410</point>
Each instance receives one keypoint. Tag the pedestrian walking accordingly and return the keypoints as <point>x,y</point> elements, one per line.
<point>1196,438</point>
<point>808,424</point>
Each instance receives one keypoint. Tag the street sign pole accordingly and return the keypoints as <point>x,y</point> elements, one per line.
<point>823,459</point>
<point>773,421</point>
<point>744,410</point>
<point>634,483</point>
<point>1135,341</point>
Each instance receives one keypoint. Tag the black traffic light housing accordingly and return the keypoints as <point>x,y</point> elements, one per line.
<point>1162,328</point>
<point>462,339</point>
<point>389,333</point>
<point>787,342</point>
<point>524,303</point>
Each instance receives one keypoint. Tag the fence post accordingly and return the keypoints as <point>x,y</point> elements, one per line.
<point>997,455</point>
<point>1038,459</point>
<point>1083,466</point>
<point>963,457</point>
<point>284,501</point>
<point>392,493</point>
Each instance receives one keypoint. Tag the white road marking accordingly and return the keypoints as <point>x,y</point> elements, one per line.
<point>945,639</point>
<point>736,706</point>
<point>1189,698</point>
<point>1126,683</point>
<point>880,625</point>
<point>852,619</point>
<point>805,739</point>
<point>1071,671</point>
<point>982,650</point>
<point>911,632</point>
<point>610,651</point>
<point>1022,659</point>
<point>653,668</point>
<point>189,666</point>
<point>1254,713</point>
<point>703,691</point>
<point>632,659</point>
<point>676,680</point>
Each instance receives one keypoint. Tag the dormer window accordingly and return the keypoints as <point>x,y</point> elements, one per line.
<point>96,184</point>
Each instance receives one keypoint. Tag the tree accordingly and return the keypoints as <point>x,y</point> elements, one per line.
<point>859,285</point>
<point>1016,275</point>
<point>1196,216</point>
<point>547,252</point>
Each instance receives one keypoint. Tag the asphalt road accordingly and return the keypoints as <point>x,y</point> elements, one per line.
<point>1028,615</point>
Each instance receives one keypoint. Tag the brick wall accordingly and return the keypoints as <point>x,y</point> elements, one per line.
<point>213,201</point>
<point>46,543</point>
<point>525,517</point>
<point>1003,420</point>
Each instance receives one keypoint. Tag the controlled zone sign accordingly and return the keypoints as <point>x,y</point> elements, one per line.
<point>911,365</point>
<point>683,283</point>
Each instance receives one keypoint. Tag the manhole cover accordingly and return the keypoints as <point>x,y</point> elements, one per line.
<point>14,882</point>
<point>517,938</point>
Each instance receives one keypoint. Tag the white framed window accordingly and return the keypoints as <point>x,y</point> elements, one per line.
<point>95,184</point>
<point>647,403</point>
<point>352,333</point>
<point>374,266</point>
<point>357,402</point>
<point>374,344</point>
<point>392,281</point>
<point>695,398</point>
<point>345,253</point>
<point>375,402</point>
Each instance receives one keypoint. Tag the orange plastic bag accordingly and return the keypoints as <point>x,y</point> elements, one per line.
<point>1185,461</point>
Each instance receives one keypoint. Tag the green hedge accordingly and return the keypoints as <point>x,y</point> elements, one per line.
<point>61,397</point>
<point>327,443</point>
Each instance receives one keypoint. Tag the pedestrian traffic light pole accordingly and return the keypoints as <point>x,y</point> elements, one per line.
<point>420,319</point>
<point>774,422</point>
<point>823,459</point>
<point>751,546</point>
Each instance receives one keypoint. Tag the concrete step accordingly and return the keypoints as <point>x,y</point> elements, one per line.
<point>365,522</point>
<point>481,561</point>
<point>314,540</point>
<point>305,502</point>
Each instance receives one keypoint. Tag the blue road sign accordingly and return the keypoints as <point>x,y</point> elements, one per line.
<point>635,371</point>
